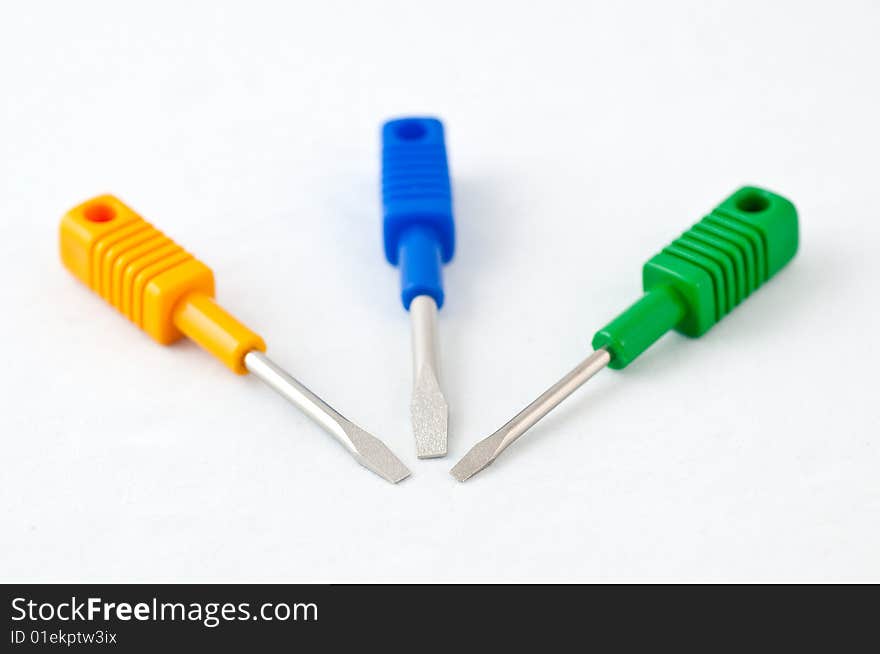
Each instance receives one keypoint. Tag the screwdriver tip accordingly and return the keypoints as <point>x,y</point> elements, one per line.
<point>430,416</point>
<point>479,457</point>
<point>368,450</point>
<point>374,455</point>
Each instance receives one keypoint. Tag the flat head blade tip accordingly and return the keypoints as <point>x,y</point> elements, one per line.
<point>478,458</point>
<point>430,416</point>
<point>374,455</point>
<point>387,466</point>
<point>399,476</point>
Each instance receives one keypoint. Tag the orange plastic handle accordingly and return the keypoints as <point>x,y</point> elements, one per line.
<point>154,282</point>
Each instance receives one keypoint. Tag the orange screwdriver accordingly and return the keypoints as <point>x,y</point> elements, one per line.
<point>169,294</point>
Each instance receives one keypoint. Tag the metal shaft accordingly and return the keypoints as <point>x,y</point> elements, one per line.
<point>553,396</point>
<point>367,449</point>
<point>423,325</point>
<point>488,449</point>
<point>430,413</point>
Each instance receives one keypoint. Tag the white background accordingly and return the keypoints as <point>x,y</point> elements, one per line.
<point>582,138</point>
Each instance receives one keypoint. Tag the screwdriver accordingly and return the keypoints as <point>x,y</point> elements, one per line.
<point>689,286</point>
<point>169,294</point>
<point>419,236</point>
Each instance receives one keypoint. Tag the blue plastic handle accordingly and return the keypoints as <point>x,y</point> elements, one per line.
<point>417,203</point>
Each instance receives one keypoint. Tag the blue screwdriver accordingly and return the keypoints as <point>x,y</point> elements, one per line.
<point>419,237</point>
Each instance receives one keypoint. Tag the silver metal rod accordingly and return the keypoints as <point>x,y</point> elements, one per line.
<point>423,327</point>
<point>553,396</point>
<point>367,449</point>
<point>429,411</point>
<point>294,392</point>
<point>488,449</point>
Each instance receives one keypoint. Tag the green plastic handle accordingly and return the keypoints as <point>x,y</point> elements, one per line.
<point>701,276</point>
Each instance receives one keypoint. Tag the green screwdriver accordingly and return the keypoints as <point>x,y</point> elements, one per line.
<point>689,286</point>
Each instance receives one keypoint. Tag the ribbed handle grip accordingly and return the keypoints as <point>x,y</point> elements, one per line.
<point>706,272</point>
<point>150,279</point>
<point>419,233</point>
